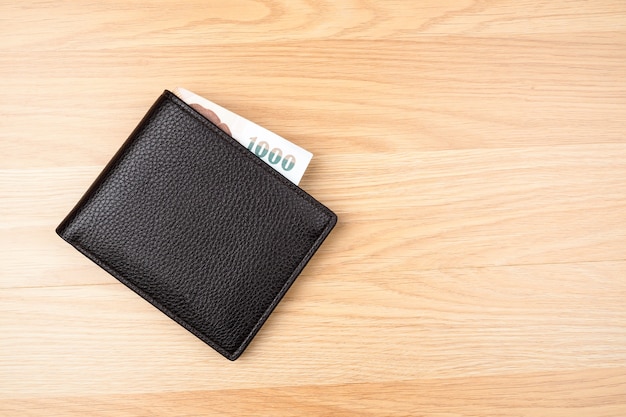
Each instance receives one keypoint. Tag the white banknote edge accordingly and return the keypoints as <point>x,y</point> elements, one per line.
<point>249,134</point>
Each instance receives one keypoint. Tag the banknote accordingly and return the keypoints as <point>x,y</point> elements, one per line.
<point>285,157</point>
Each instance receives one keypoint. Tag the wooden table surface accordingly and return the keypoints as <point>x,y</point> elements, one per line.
<point>475,154</point>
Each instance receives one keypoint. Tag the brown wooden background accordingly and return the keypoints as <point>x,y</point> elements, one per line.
<point>474,152</point>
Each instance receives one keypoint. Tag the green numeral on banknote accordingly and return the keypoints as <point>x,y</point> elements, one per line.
<point>275,155</point>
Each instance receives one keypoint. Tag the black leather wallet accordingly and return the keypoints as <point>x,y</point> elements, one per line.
<point>197,225</point>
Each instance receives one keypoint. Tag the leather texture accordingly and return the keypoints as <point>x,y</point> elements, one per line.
<point>198,226</point>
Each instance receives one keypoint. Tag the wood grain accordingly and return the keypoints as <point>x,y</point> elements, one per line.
<point>473,150</point>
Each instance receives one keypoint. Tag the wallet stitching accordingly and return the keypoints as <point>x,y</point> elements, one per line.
<point>239,148</point>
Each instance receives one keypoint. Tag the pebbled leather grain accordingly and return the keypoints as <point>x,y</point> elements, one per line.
<point>198,226</point>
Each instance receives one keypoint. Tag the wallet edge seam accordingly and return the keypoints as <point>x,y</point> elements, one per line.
<point>330,224</point>
<point>331,220</point>
<point>153,301</point>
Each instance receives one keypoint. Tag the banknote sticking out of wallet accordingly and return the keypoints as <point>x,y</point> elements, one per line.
<point>208,228</point>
